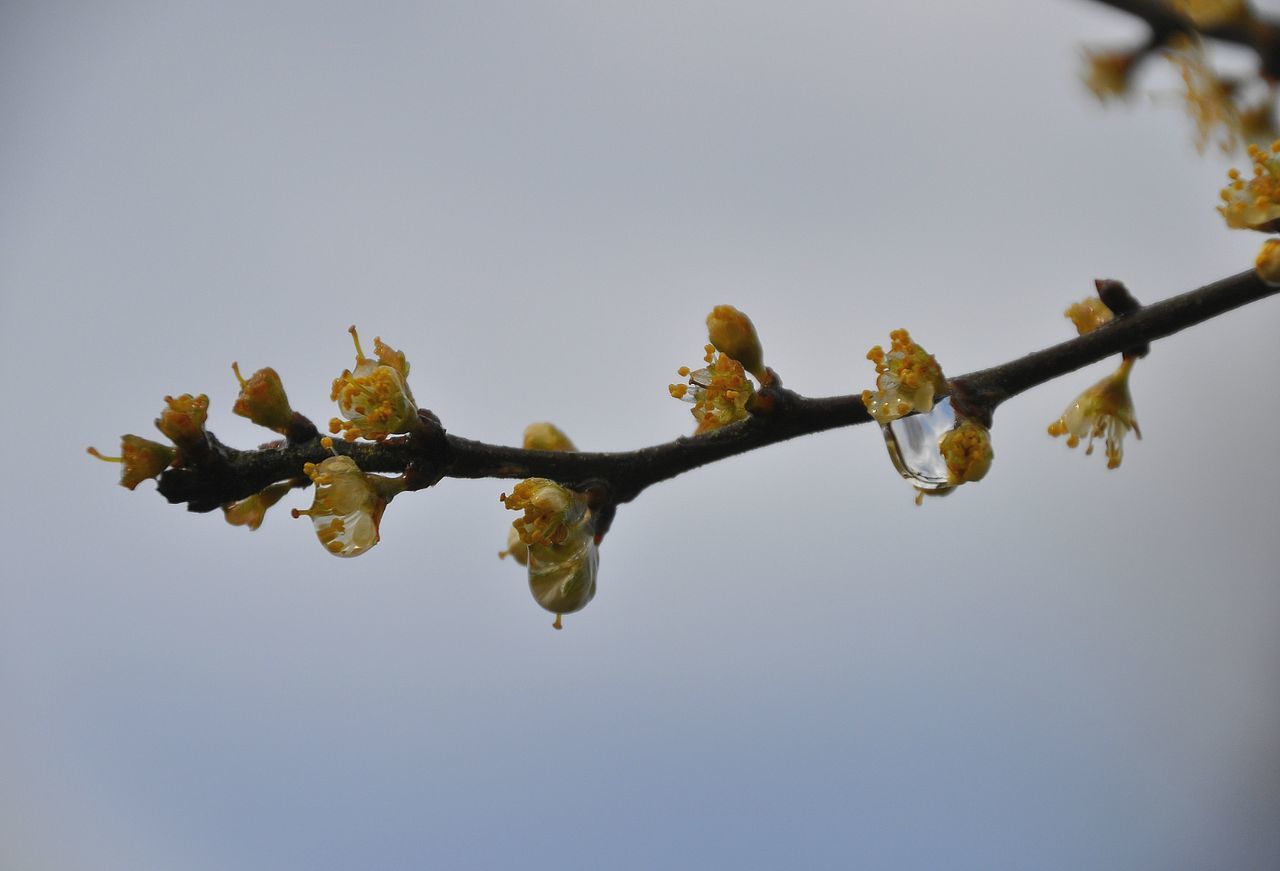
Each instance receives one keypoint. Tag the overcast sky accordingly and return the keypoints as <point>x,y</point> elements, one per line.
<point>788,664</point>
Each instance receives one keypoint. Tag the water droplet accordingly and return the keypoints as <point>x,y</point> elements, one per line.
<point>914,449</point>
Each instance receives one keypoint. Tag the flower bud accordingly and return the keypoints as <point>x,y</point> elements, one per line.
<point>183,419</point>
<point>546,437</point>
<point>1089,314</point>
<point>967,452</point>
<point>251,510</point>
<point>140,459</point>
<point>1268,263</point>
<point>733,334</point>
<point>262,399</point>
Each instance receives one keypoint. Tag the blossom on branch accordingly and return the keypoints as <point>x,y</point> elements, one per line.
<point>1254,204</point>
<point>908,378</point>
<point>720,392</point>
<point>1107,74</point>
<point>375,396</point>
<point>140,459</point>
<point>1103,411</point>
<point>348,504</point>
<point>559,534</point>
<point>1208,98</point>
<point>262,399</point>
<point>183,419</point>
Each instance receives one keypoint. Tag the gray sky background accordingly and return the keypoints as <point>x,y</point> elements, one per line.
<point>788,664</point>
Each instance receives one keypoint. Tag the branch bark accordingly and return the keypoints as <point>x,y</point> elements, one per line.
<point>223,474</point>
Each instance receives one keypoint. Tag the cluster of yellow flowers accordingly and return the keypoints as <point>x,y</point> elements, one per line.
<point>1105,410</point>
<point>721,392</point>
<point>1254,204</point>
<point>1228,110</point>
<point>931,445</point>
<point>348,503</point>
<point>907,379</point>
<point>555,537</point>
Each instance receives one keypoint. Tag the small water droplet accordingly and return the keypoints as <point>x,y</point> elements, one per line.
<point>914,449</point>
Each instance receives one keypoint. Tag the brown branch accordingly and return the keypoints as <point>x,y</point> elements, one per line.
<point>223,474</point>
<point>1261,33</point>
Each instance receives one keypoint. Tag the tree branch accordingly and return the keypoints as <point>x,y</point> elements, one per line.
<point>222,474</point>
<point>1261,33</point>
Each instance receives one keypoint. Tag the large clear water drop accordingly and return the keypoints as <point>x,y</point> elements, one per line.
<point>914,445</point>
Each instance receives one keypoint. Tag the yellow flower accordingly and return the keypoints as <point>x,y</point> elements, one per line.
<point>1088,314</point>
<point>550,511</point>
<point>558,538</point>
<point>183,419</point>
<point>967,452</point>
<point>1255,204</point>
<point>546,437</point>
<point>1107,73</point>
<point>375,397</point>
<point>1208,99</point>
<point>1267,264</point>
<point>262,399</point>
<point>1103,411</point>
<point>733,334</point>
<point>251,510</point>
<point>908,379</point>
<point>140,459</point>
<point>720,392</point>
<point>348,504</point>
<point>1212,13</point>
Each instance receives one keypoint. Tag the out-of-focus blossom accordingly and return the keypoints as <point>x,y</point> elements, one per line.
<point>1213,13</point>
<point>1254,204</point>
<point>1107,74</point>
<point>1208,99</point>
